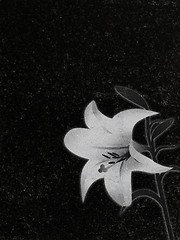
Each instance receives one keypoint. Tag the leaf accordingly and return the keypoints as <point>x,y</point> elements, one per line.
<point>166,147</point>
<point>146,193</point>
<point>132,96</point>
<point>162,127</point>
<point>154,124</point>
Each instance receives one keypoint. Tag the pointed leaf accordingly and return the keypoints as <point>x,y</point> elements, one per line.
<point>162,127</point>
<point>154,124</point>
<point>132,96</point>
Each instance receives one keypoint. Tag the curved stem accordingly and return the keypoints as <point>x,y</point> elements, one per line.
<point>143,193</point>
<point>164,207</point>
<point>146,193</point>
<point>159,185</point>
<point>175,169</point>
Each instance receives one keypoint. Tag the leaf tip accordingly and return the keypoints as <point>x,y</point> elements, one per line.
<point>120,89</point>
<point>132,96</point>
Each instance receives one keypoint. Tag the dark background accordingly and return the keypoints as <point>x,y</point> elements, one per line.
<point>57,56</point>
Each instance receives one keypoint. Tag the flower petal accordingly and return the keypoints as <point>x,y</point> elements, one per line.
<point>125,121</point>
<point>139,147</point>
<point>91,144</point>
<point>118,184</point>
<point>89,175</point>
<point>95,119</point>
<point>143,163</point>
<point>121,124</point>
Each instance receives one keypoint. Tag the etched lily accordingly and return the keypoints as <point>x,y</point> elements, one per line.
<point>112,153</point>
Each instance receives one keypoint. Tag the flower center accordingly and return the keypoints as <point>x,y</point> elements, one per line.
<point>114,159</point>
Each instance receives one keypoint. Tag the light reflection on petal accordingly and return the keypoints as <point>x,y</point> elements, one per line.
<point>91,144</point>
<point>125,121</point>
<point>145,164</point>
<point>118,184</point>
<point>95,119</point>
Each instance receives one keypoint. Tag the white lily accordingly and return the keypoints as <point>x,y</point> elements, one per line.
<point>112,154</point>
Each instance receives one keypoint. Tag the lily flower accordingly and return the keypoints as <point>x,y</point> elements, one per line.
<point>112,153</point>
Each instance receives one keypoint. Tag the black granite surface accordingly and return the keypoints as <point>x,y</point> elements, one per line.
<point>57,56</point>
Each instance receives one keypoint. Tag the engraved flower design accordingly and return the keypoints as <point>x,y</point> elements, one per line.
<point>112,153</point>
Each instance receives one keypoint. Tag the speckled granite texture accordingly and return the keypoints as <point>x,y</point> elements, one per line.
<point>57,56</point>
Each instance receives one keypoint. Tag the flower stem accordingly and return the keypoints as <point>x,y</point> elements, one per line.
<point>159,184</point>
<point>164,208</point>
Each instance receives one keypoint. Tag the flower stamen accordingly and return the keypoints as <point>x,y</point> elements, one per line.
<point>114,156</point>
<point>106,156</point>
